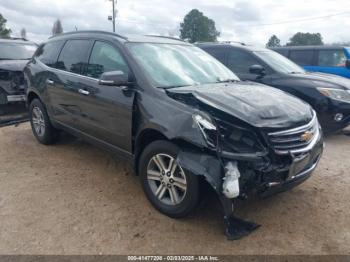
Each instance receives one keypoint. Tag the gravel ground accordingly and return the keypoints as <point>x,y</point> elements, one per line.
<point>72,198</point>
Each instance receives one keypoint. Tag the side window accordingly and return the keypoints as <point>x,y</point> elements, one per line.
<point>283,52</point>
<point>219,54</point>
<point>331,57</point>
<point>74,56</point>
<point>105,58</point>
<point>48,53</point>
<point>302,57</point>
<point>240,62</point>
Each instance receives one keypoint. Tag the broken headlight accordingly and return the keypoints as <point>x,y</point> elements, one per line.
<point>238,139</point>
<point>207,128</point>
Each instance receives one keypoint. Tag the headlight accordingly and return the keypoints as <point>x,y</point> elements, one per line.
<point>337,94</point>
<point>239,139</point>
<point>207,128</point>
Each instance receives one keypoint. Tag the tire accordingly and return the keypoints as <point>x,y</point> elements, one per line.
<point>181,190</point>
<point>46,134</point>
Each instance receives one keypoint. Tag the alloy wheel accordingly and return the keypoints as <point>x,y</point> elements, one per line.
<point>38,121</point>
<point>166,179</point>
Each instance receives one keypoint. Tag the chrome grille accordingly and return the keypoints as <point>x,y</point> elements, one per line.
<point>296,140</point>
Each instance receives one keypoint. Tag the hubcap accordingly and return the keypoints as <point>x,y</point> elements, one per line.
<point>166,179</point>
<point>38,121</point>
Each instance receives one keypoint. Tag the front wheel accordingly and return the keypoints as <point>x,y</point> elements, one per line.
<point>168,187</point>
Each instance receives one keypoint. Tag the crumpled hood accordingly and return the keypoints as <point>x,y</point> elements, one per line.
<point>13,65</point>
<point>324,80</point>
<point>258,105</point>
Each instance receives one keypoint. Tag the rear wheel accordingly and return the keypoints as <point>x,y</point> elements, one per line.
<point>168,187</point>
<point>42,128</point>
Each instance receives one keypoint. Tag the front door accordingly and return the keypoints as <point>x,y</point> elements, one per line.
<point>106,111</point>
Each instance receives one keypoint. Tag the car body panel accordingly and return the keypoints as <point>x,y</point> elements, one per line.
<point>301,85</point>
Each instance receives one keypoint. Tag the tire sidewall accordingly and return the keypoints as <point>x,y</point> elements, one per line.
<point>48,136</point>
<point>191,198</point>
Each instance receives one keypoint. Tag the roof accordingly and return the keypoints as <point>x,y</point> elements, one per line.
<point>122,38</point>
<point>231,44</point>
<point>308,47</point>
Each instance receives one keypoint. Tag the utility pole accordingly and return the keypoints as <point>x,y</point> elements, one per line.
<point>112,17</point>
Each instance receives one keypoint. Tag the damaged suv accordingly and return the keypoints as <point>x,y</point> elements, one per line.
<point>14,55</point>
<point>177,113</point>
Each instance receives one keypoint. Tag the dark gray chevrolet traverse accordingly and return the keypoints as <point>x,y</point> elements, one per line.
<point>180,116</point>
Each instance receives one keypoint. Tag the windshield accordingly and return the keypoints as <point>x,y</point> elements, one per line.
<point>16,51</point>
<point>171,65</point>
<point>279,63</point>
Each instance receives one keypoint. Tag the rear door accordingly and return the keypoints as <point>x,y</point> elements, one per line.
<point>106,111</point>
<point>332,61</point>
<point>63,90</point>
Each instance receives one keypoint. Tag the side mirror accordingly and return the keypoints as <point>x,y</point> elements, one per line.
<point>257,70</point>
<point>114,78</point>
<point>347,63</point>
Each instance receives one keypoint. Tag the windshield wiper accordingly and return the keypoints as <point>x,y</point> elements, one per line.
<point>174,86</point>
<point>227,81</point>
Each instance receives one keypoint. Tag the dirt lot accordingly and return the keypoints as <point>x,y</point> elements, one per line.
<point>72,198</point>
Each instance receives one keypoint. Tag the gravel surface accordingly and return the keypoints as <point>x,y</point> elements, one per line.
<point>72,198</point>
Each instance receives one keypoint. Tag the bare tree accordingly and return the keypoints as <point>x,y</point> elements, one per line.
<point>57,27</point>
<point>24,33</point>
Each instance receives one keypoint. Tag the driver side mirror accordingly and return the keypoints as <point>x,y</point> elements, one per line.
<point>257,70</point>
<point>114,78</point>
<point>347,63</point>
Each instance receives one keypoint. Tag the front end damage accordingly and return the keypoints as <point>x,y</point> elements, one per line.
<point>240,159</point>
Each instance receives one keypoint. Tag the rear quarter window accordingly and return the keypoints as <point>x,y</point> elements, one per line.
<point>302,57</point>
<point>334,58</point>
<point>48,53</point>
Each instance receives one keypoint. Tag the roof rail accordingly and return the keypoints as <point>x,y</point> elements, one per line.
<point>168,37</point>
<point>222,42</point>
<point>89,31</point>
<point>15,38</point>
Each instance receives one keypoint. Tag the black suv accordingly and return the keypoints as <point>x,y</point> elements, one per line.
<point>14,55</point>
<point>329,95</point>
<point>180,116</point>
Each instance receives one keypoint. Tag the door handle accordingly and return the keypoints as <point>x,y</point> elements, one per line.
<point>49,82</point>
<point>84,92</point>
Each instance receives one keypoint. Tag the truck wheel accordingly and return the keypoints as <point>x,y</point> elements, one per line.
<point>42,129</point>
<point>167,186</point>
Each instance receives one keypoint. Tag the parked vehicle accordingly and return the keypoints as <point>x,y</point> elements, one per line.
<point>14,55</point>
<point>326,59</point>
<point>329,95</point>
<point>178,114</point>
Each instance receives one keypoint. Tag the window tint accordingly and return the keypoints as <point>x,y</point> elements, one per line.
<point>302,57</point>
<point>74,55</point>
<point>331,57</point>
<point>105,58</point>
<point>219,54</point>
<point>48,53</point>
<point>240,62</point>
<point>283,52</point>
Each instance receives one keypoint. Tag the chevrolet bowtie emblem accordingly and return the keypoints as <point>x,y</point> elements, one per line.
<point>307,136</point>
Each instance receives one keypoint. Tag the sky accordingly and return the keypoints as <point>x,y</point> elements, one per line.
<point>252,21</point>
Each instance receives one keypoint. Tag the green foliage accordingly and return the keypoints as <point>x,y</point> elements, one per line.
<point>4,32</point>
<point>305,39</point>
<point>274,41</point>
<point>57,27</point>
<point>197,27</point>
